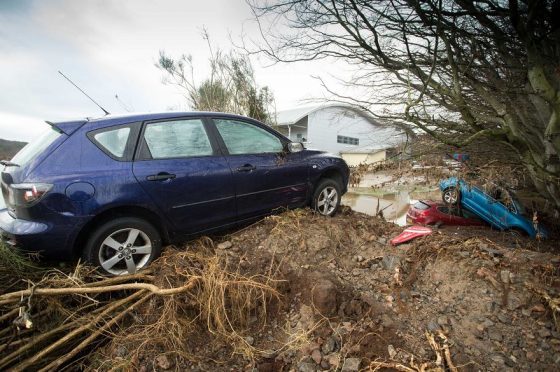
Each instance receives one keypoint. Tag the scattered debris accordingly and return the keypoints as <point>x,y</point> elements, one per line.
<point>410,233</point>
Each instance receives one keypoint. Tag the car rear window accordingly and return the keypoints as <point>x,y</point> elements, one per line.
<point>36,146</point>
<point>421,205</point>
<point>113,141</point>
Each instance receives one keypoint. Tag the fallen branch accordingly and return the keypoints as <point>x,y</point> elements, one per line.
<point>398,366</point>
<point>59,361</point>
<point>43,337</point>
<point>9,314</point>
<point>9,297</point>
<point>38,356</point>
<point>447,353</point>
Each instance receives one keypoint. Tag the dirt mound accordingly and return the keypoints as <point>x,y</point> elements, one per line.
<point>298,291</point>
<point>350,300</point>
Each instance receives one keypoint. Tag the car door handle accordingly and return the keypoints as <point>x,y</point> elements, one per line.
<point>246,168</point>
<point>161,176</point>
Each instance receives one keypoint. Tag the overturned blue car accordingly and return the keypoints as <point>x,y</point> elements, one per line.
<point>499,207</point>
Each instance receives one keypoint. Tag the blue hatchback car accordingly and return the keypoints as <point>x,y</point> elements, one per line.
<point>490,208</point>
<point>113,190</point>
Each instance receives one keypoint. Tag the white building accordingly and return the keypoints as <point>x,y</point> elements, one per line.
<point>341,130</point>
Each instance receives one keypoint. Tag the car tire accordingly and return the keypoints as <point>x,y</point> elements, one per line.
<point>450,196</point>
<point>123,246</point>
<point>327,196</point>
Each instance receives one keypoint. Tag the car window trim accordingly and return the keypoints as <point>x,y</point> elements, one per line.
<point>283,141</point>
<point>140,154</point>
<point>130,147</point>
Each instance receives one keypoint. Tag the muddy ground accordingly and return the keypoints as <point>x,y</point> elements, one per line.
<point>350,301</point>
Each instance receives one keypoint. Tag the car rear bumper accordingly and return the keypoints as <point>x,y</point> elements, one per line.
<point>31,236</point>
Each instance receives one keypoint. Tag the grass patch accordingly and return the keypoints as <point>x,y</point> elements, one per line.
<point>14,266</point>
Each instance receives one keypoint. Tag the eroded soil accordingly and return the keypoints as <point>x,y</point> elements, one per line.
<point>350,301</point>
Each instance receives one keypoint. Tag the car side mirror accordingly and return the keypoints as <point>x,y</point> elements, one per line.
<point>295,147</point>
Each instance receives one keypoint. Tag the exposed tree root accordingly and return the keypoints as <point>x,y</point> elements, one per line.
<point>65,314</point>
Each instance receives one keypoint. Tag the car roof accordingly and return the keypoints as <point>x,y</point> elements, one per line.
<point>128,118</point>
<point>90,124</point>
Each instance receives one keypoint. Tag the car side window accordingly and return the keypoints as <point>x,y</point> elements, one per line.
<point>177,139</point>
<point>114,140</point>
<point>443,210</point>
<point>245,138</point>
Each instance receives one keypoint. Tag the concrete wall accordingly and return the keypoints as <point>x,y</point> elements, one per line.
<point>324,125</point>
<point>353,159</point>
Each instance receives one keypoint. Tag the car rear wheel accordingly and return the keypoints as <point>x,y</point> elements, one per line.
<point>326,198</point>
<point>123,246</point>
<point>450,196</point>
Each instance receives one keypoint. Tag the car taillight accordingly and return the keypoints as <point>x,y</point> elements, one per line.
<point>27,194</point>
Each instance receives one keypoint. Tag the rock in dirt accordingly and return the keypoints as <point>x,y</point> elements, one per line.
<point>543,332</point>
<point>392,352</point>
<point>433,326</point>
<point>389,262</point>
<point>514,302</point>
<point>494,334</point>
<point>225,245</point>
<point>505,276</point>
<point>306,367</point>
<point>163,362</point>
<point>442,320</point>
<point>333,360</point>
<point>491,251</point>
<point>498,359</point>
<point>329,346</point>
<point>386,321</point>
<point>351,365</point>
<point>316,356</point>
<point>504,318</point>
<point>325,297</point>
<point>250,340</point>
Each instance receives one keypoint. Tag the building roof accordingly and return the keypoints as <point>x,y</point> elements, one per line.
<point>287,117</point>
<point>290,117</point>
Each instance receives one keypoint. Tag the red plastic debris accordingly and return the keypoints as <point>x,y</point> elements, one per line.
<point>410,233</point>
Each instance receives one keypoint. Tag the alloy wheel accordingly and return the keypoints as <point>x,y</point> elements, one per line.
<point>125,251</point>
<point>450,196</point>
<point>327,201</point>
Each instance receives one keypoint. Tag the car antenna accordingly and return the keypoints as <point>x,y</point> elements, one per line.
<point>85,94</point>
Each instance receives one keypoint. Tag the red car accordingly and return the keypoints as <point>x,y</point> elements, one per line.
<point>428,212</point>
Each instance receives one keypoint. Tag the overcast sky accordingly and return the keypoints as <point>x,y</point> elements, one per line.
<point>110,47</point>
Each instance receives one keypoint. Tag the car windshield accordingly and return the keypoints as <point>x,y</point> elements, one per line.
<point>421,205</point>
<point>36,146</point>
<point>515,201</point>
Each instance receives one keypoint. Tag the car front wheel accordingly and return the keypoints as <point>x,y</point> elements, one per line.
<point>326,198</point>
<point>451,196</point>
<point>123,246</point>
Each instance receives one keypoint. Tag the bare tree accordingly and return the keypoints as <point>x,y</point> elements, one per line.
<point>231,86</point>
<point>459,70</point>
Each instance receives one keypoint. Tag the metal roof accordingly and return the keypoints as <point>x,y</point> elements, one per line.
<point>290,117</point>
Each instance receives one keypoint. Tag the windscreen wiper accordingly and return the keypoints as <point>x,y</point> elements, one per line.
<point>8,163</point>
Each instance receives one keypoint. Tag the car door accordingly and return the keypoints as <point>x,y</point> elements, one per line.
<point>265,177</point>
<point>182,169</point>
